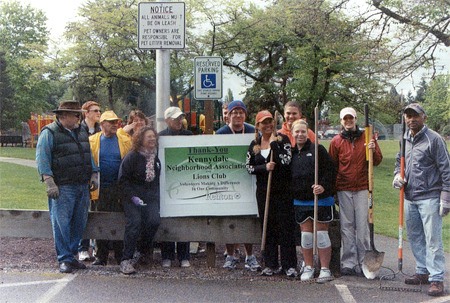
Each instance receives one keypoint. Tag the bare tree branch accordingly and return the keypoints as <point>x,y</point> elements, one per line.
<point>440,35</point>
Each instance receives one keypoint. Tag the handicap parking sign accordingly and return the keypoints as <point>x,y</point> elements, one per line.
<point>208,80</point>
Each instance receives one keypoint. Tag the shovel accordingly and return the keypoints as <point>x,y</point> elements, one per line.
<point>373,259</point>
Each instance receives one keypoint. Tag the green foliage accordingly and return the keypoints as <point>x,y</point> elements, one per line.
<point>23,47</point>
<point>304,50</point>
<point>446,131</point>
<point>437,103</point>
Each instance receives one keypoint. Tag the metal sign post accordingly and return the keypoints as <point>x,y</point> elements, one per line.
<point>161,27</point>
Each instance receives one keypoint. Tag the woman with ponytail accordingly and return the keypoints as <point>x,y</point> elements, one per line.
<point>270,154</point>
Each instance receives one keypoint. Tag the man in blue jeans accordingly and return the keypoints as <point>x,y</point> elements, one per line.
<point>427,197</point>
<point>64,162</point>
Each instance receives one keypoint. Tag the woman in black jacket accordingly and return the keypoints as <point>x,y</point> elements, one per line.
<point>280,221</point>
<point>139,178</point>
<point>304,189</point>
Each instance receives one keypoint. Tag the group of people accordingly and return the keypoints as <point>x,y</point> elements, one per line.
<point>289,155</point>
<point>119,169</point>
<point>88,162</point>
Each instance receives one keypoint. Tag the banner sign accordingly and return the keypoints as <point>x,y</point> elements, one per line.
<point>206,176</point>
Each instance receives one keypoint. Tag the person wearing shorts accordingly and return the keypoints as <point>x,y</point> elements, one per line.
<point>304,189</point>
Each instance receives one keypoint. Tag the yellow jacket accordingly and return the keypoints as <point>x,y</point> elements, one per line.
<point>124,146</point>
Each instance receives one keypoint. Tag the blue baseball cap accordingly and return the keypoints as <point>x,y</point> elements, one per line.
<point>416,108</point>
<point>236,104</point>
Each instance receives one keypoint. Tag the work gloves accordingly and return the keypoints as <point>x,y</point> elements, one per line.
<point>398,182</point>
<point>444,208</point>
<point>137,201</point>
<point>93,185</point>
<point>52,188</point>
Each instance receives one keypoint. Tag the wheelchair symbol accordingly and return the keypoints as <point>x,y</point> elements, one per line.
<point>208,80</point>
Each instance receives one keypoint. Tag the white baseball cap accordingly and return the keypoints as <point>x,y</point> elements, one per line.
<point>347,111</point>
<point>173,112</point>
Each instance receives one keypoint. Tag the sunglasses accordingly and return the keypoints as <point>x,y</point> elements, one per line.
<point>76,115</point>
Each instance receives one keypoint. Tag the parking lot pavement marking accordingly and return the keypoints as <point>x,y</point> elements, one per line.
<point>444,299</point>
<point>345,293</point>
<point>55,289</point>
<point>5,285</point>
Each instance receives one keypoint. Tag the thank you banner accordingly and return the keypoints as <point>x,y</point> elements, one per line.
<point>205,175</point>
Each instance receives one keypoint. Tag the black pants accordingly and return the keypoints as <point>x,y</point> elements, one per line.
<point>109,200</point>
<point>280,229</point>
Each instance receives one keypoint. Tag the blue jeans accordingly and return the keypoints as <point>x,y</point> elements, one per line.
<point>141,221</point>
<point>424,226</point>
<point>68,214</point>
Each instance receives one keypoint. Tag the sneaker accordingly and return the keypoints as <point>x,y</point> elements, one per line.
<point>308,273</point>
<point>166,263</point>
<point>126,267</point>
<point>417,279</point>
<point>84,256</point>
<point>267,272</point>
<point>230,262</point>
<point>436,288</point>
<point>185,263</point>
<point>324,276</point>
<point>251,263</point>
<point>291,272</point>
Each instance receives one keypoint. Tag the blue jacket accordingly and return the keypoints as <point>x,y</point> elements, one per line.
<point>427,165</point>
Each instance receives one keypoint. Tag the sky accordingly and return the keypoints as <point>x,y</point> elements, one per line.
<point>59,13</point>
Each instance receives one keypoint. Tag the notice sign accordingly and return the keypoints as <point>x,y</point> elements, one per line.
<point>206,175</point>
<point>208,78</point>
<point>161,25</point>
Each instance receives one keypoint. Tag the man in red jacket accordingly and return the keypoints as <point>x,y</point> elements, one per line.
<point>349,154</point>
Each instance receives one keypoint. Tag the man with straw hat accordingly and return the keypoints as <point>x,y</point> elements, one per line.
<point>64,162</point>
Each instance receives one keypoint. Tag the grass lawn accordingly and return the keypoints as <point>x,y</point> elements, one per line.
<point>21,189</point>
